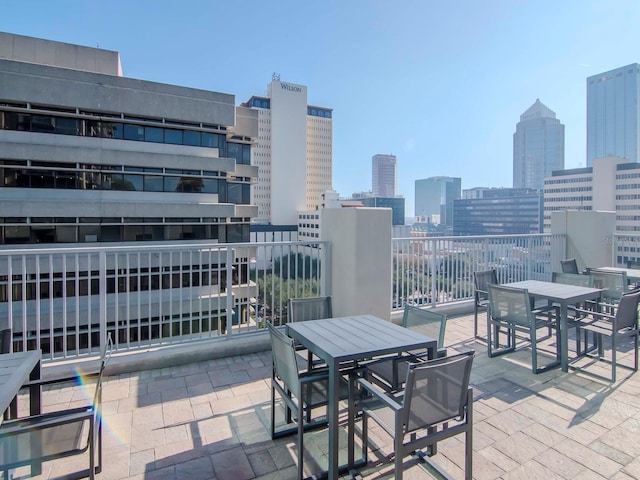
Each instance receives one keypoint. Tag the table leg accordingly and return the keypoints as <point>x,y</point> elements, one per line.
<point>332,414</point>
<point>564,338</point>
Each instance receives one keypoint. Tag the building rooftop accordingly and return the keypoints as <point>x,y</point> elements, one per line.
<point>210,420</point>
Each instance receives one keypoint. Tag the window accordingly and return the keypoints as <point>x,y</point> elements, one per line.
<point>153,134</point>
<point>173,136</point>
<point>133,132</point>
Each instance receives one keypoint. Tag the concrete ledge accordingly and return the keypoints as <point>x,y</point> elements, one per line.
<point>162,356</point>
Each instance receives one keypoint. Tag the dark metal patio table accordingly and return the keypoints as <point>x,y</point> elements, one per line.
<point>352,338</point>
<point>562,295</point>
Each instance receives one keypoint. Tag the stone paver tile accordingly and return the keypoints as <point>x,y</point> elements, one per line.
<point>232,465</point>
<point>543,434</point>
<point>589,458</point>
<point>498,458</point>
<point>197,468</point>
<point>610,452</point>
<point>632,469</point>
<point>559,464</point>
<point>261,462</point>
<point>624,440</point>
<point>531,470</point>
<point>141,462</point>
<point>509,421</point>
<point>520,447</point>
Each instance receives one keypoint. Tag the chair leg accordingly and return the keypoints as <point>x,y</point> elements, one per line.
<point>468,450</point>
<point>300,439</point>
<point>398,450</point>
<point>92,453</point>
<point>614,349</point>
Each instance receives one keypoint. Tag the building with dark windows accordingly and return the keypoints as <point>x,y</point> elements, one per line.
<point>91,156</point>
<point>498,211</point>
<point>434,198</point>
<point>293,153</point>
<point>538,146</point>
<point>384,175</point>
<point>396,204</point>
<point>613,114</point>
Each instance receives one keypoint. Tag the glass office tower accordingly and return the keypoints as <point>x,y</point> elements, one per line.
<point>613,112</point>
<point>538,146</point>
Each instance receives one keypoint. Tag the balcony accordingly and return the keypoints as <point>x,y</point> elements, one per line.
<point>187,393</point>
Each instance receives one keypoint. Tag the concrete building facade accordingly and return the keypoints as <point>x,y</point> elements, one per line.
<point>92,156</point>
<point>538,146</point>
<point>384,175</point>
<point>613,114</point>
<point>293,153</point>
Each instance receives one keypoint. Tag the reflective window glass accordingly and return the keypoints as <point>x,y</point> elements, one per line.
<point>173,136</point>
<point>209,140</point>
<point>209,185</point>
<point>153,183</point>
<point>133,132</point>
<point>132,182</point>
<point>153,134</point>
<point>191,138</point>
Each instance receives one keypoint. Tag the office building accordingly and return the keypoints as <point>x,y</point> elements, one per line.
<point>613,114</point>
<point>498,211</point>
<point>91,156</point>
<point>434,198</point>
<point>384,175</point>
<point>538,146</point>
<point>611,184</point>
<point>293,153</point>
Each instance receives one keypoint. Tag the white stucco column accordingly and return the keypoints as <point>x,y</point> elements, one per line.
<point>360,263</point>
<point>589,237</point>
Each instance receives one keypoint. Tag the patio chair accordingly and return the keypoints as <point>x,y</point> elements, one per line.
<point>510,310</point>
<point>391,372</point>
<point>55,435</point>
<point>481,282</point>
<point>569,266</point>
<point>436,404</point>
<point>301,392</point>
<point>623,324</point>
<point>304,309</point>
<point>613,284</point>
<point>5,347</point>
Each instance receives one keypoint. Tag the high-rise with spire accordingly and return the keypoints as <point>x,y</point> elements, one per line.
<point>538,146</point>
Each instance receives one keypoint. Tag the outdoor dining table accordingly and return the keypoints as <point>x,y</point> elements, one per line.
<point>352,338</point>
<point>562,295</point>
<point>15,370</point>
<point>633,274</point>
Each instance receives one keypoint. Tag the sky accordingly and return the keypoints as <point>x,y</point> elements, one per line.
<point>439,84</point>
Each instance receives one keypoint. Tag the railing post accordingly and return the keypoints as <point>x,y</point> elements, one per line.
<point>325,261</point>
<point>102,259</point>
<point>229,292</point>
<point>434,290</point>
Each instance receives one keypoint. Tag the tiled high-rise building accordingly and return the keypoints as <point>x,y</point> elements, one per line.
<point>613,114</point>
<point>384,175</point>
<point>293,154</point>
<point>538,146</point>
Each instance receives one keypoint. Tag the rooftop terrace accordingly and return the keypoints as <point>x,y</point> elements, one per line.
<point>210,420</point>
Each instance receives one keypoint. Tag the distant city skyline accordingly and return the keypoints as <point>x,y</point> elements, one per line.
<point>440,85</point>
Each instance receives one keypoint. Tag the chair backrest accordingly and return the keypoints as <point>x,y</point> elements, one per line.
<point>427,322</point>
<point>613,284</point>
<point>481,281</point>
<point>572,279</point>
<point>627,312</point>
<point>569,265</point>
<point>510,305</point>
<point>285,366</point>
<point>436,391</point>
<point>314,308</point>
<point>5,340</point>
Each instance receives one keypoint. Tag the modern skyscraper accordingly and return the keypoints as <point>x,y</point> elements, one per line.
<point>384,175</point>
<point>538,146</point>
<point>293,153</point>
<point>434,198</point>
<point>613,114</point>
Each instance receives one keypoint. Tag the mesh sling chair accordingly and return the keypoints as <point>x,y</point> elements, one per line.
<point>5,347</point>
<point>579,281</point>
<point>436,404</point>
<point>613,284</point>
<point>569,266</point>
<point>481,282</point>
<point>391,372</point>
<point>510,310</point>
<point>50,436</point>
<point>623,324</point>
<point>300,391</point>
<point>304,309</point>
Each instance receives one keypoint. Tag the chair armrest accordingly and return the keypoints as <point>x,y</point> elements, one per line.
<point>46,420</point>
<point>379,393</point>
<point>594,313</point>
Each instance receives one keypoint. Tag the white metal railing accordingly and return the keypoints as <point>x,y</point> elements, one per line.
<point>63,300</point>
<point>435,270</point>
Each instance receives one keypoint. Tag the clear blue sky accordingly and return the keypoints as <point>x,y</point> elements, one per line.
<point>440,84</point>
